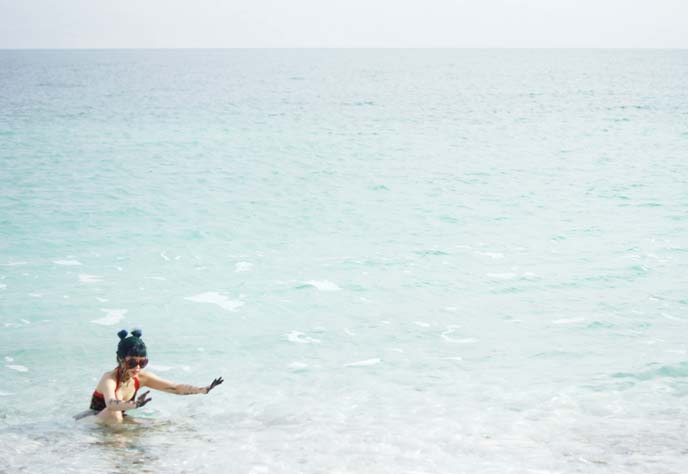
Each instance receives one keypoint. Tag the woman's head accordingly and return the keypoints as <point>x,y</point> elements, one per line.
<point>131,353</point>
<point>131,346</point>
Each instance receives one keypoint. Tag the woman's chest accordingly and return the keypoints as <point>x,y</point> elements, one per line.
<point>125,391</point>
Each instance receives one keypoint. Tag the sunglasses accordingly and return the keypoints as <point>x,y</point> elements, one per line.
<point>131,363</point>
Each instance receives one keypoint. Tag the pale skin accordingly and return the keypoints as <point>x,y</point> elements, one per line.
<point>117,401</point>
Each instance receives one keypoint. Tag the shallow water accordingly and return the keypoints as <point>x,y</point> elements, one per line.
<point>400,261</point>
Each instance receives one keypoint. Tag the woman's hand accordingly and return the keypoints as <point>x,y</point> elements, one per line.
<point>142,400</point>
<point>214,384</point>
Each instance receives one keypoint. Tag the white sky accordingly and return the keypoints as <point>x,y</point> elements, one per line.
<point>343,23</point>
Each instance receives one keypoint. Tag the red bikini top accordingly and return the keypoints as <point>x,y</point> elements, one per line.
<point>97,394</point>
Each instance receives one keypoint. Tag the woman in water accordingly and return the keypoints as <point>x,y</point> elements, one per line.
<point>117,389</point>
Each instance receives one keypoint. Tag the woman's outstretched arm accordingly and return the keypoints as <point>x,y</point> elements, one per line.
<point>149,379</point>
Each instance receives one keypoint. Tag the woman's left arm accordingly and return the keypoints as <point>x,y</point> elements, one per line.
<point>148,379</point>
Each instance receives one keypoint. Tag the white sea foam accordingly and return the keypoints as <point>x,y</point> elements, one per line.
<point>164,256</point>
<point>83,278</point>
<point>102,300</point>
<point>364,363</point>
<point>155,278</point>
<point>451,330</point>
<point>2,286</point>
<point>301,338</point>
<point>215,298</point>
<point>568,321</point>
<point>243,267</point>
<point>323,285</point>
<point>13,264</point>
<point>36,295</point>
<point>160,368</point>
<point>297,365</point>
<point>4,394</point>
<point>9,359</point>
<point>467,340</point>
<point>67,263</point>
<point>501,276</point>
<point>422,324</point>
<point>492,255</point>
<point>673,318</point>
<point>18,368</point>
<point>112,316</point>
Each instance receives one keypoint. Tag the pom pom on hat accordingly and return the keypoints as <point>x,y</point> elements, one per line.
<point>132,345</point>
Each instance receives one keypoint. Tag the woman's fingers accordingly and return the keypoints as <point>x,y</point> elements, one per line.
<point>214,384</point>
<point>142,400</point>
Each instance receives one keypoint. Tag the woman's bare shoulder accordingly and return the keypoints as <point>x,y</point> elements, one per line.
<point>108,377</point>
<point>145,376</point>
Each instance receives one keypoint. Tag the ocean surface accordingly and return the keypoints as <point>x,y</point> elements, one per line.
<point>401,261</point>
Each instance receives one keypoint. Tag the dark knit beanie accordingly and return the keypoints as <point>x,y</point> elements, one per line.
<point>131,346</point>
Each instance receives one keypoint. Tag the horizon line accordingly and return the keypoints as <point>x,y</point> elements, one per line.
<point>157,48</point>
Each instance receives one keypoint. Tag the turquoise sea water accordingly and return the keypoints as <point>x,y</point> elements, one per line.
<point>401,261</point>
